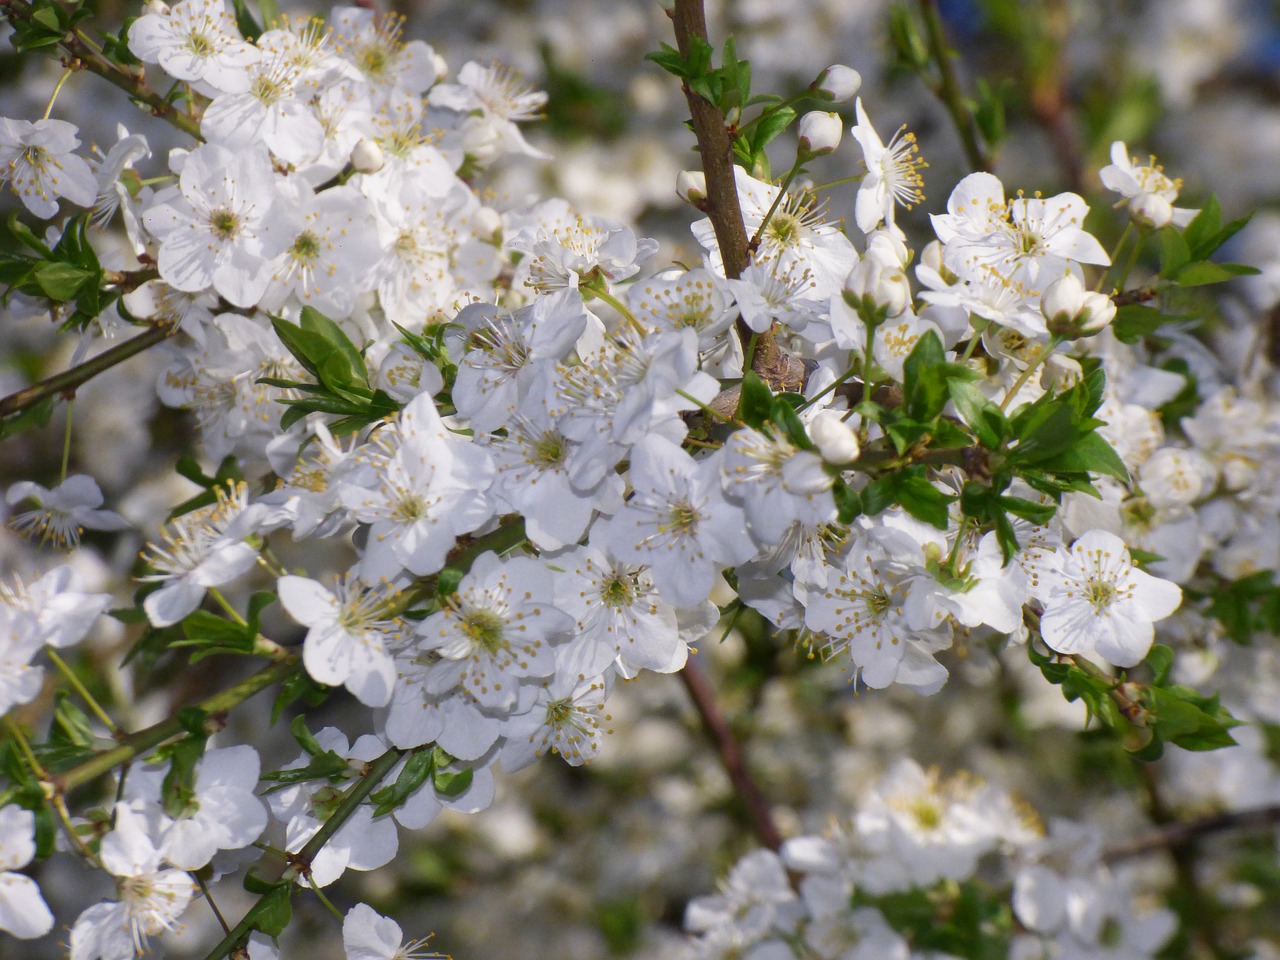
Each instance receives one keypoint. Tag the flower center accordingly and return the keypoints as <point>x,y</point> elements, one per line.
<point>485,628</point>
<point>225,223</point>
<point>1100,593</point>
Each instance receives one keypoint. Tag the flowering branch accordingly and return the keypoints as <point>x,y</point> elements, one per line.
<point>136,744</point>
<point>372,775</point>
<point>1174,835</point>
<point>83,54</point>
<point>773,365</point>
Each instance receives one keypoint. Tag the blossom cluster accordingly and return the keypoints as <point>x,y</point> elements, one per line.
<point>901,877</point>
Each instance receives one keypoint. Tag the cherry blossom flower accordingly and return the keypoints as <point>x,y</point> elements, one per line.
<point>197,41</point>
<point>893,173</point>
<point>37,161</point>
<point>1098,601</point>
<point>23,911</point>
<point>62,514</point>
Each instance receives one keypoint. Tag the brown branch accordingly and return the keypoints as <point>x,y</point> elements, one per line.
<point>1137,295</point>
<point>67,381</point>
<point>947,89</point>
<point>714,148</point>
<point>1173,836</point>
<point>717,727</point>
<point>777,368</point>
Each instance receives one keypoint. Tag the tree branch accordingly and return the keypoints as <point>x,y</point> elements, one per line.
<point>948,89</point>
<point>69,380</point>
<point>757,808</point>
<point>1171,836</point>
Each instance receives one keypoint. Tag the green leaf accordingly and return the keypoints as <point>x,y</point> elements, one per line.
<point>298,686</point>
<point>984,418</point>
<point>1205,272</point>
<point>1090,453</point>
<point>452,783</point>
<point>755,404</point>
<point>61,281</point>
<point>1203,228</point>
<point>1160,660</point>
<point>1135,320</point>
<point>419,766</point>
<point>24,235</point>
<point>274,911</point>
<point>989,113</point>
<point>36,415</point>
<point>922,499</point>
<point>180,782</point>
<point>1174,252</point>
<point>770,125</point>
<point>848,502</point>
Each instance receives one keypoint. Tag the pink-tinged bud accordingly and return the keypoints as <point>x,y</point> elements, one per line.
<point>838,83</point>
<point>367,157</point>
<point>836,441</point>
<point>820,133</point>
<point>1072,311</point>
<point>691,186</point>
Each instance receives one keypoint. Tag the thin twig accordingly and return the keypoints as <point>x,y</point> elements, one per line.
<point>757,808</point>
<point>948,89</point>
<point>1171,836</point>
<point>67,381</point>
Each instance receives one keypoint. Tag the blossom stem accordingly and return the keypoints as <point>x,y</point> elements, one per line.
<point>829,388</point>
<point>602,294</point>
<point>143,741</point>
<point>709,411</point>
<point>56,90</point>
<point>1115,255</point>
<point>868,380</point>
<point>754,243</point>
<point>328,904</point>
<point>65,669</point>
<point>373,774</point>
<point>66,440</point>
<point>55,799</point>
<point>204,889</point>
<point>947,88</point>
<point>231,611</point>
<point>1032,367</point>
<point>69,380</point>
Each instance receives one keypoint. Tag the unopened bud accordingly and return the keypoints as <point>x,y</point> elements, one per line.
<point>367,157</point>
<point>691,186</point>
<point>486,223</point>
<point>439,65</point>
<point>158,7</point>
<point>871,287</point>
<point>820,133</point>
<point>836,440</point>
<point>1072,311</point>
<point>838,83</point>
<point>888,250</point>
<point>1151,210</point>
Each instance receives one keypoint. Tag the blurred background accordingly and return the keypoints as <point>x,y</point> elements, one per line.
<point>579,864</point>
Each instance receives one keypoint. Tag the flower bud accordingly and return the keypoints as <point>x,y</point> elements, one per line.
<point>820,133</point>
<point>439,65</point>
<point>158,7</point>
<point>1072,311</point>
<point>691,186</point>
<point>1151,210</point>
<point>870,287</point>
<point>367,157</point>
<point>836,440</point>
<point>888,250</point>
<point>487,224</point>
<point>838,83</point>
